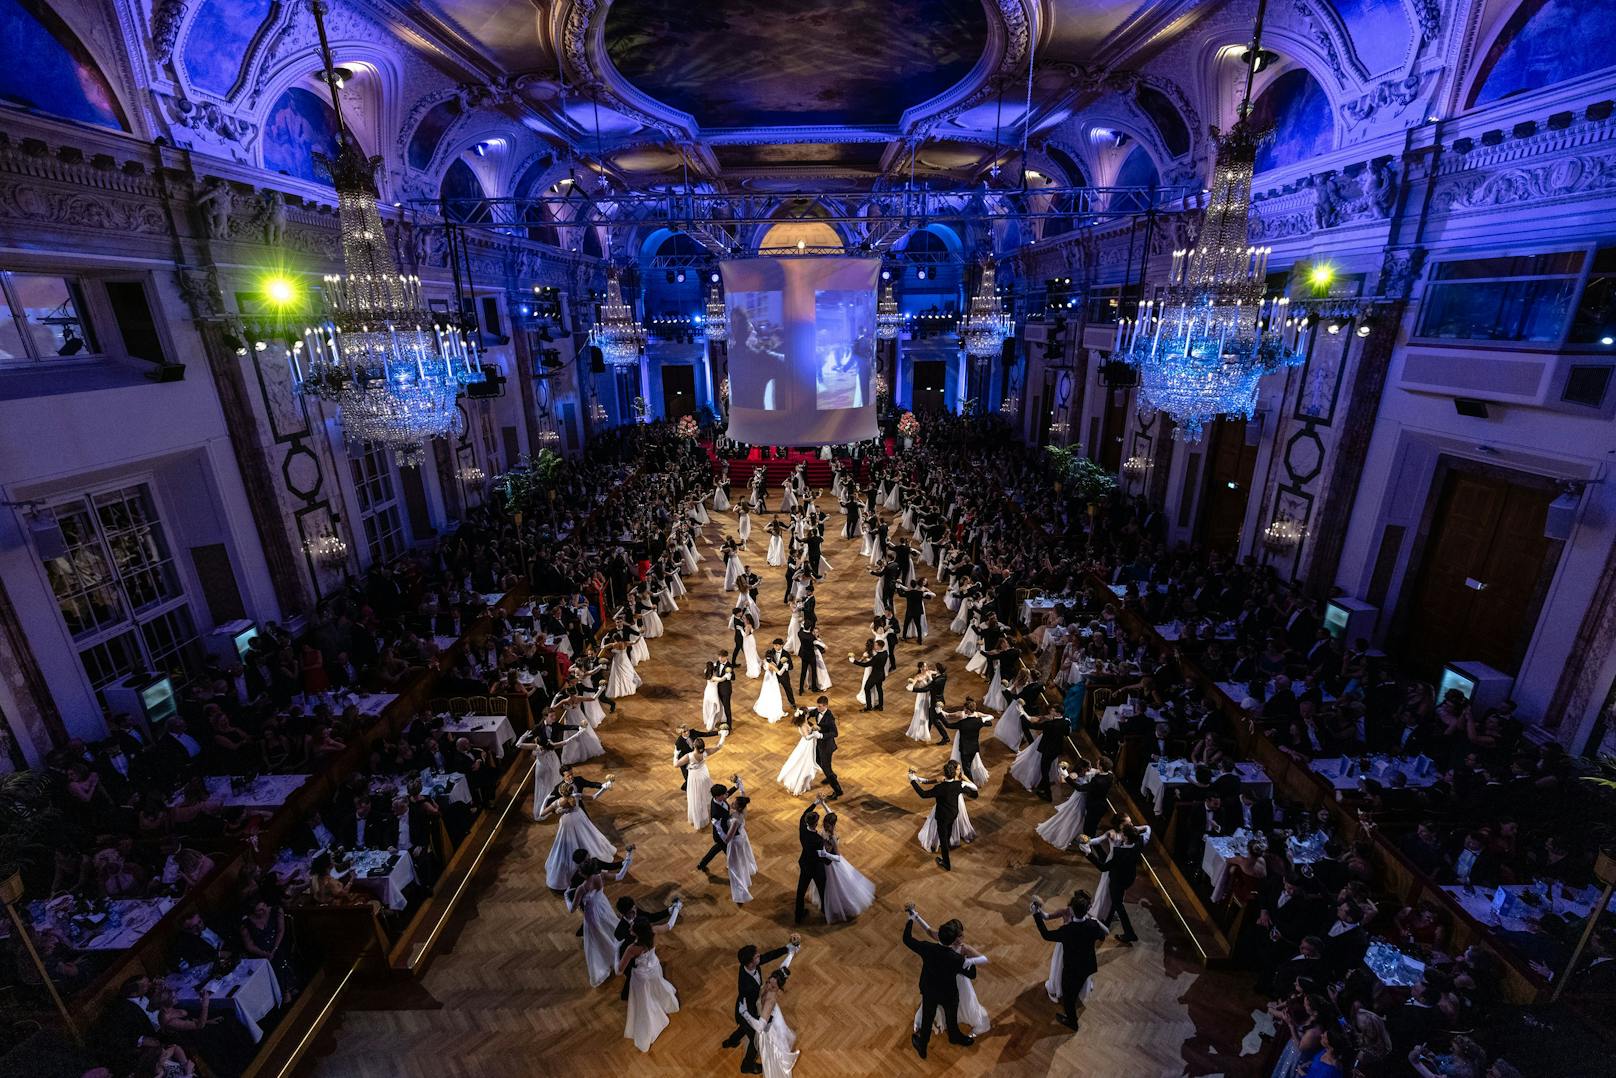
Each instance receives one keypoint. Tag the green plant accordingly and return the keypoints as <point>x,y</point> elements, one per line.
<point>31,825</point>
<point>1079,476</point>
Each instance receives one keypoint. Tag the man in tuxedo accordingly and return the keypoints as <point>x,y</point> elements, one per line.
<point>934,708</point>
<point>810,858</point>
<point>825,748</point>
<point>1347,939</point>
<point>1256,814</point>
<point>481,773</point>
<point>808,649</point>
<point>737,626</point>
<point>748,982</point>
<point>682,744</point>
<point>1078,937</point>
<point>718,814</point>
<point>888,572</point>
<point>1120,863</point>
<point>940,964</point>
<point>1198,819</point>
<point>361,831</point>
<point>1095,788</point>
<point>914,607</point>
<point>781,658</point>
<point>875,676</point>
<point>725,672</point>
<point>946,792</point>
<point>410,830</point>
<point>195,944</point>
<point>629,914</point>
<point>1052,730</point>
<point>129,1022</point>
<point>177,752</point>
<point>969,723</point>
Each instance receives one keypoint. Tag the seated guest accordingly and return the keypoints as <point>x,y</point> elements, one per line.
<point>195,944</point>
<point>477,766</point>
<point>1424,849</point>
<point>1473,863</point>
<point>263,935</point>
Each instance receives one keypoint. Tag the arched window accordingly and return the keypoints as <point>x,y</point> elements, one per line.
<point>1294,105</point>
<point>50,69</point>
<point>1379,30</point>
<point>430,131</point>
<point>1545,42</point>
<point>1175,135</point>
<point>299,125</point>
<point>1138,170</point>
<point>461,185</point>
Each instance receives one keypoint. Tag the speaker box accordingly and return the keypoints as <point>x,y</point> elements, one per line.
<point>1561,517</point>
<point>167,372</point>
<point>47,538</point>
<point>1471,407</point>
<point>597,361</point>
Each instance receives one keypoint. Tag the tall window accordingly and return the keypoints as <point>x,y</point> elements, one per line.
<point>42,319</point>
<point>1514,298</point>
<point>118,589</point>
<point>378,504</point>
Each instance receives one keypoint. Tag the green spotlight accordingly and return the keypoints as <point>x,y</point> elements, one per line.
<point>1321,276</point>
<point>280,290</point>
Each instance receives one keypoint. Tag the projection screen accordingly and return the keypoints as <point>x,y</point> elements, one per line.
<point>801,349</point>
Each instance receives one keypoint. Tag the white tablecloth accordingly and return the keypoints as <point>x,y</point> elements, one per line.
<point>1219,848</point>
<point>1419,771</point>
<point>120,928</point>
<point>1172,630</point>
<point>251,989</point>
<point>266,792</point>
<point>1502,907</point>
<point>1112,717</point>
<point>371,703</point>
<point>1035,608</point>
<point>389,888</point>
<point>488,732</point>
<point>439,785</point>
<point>1157,785</point>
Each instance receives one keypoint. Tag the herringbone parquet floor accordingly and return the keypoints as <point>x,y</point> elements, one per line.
<point>508,995</point>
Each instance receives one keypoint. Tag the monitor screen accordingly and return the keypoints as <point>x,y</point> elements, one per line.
<point>157,699</point>
<point>1335,619</point>
<point>1453,679</point>
<point>244,639</point>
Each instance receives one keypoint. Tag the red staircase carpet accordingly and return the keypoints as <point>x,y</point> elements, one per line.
<point>777,468</point>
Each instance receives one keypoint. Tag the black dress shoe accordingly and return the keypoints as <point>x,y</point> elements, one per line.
<point>833,797</point>
<point>964,1040</point>
<point>1069,1023</point>
<point>756,1068</point>
<point>945,864</point>
<point>731,1041</point>
<point>920,1045</point>
<point>1128,939</point>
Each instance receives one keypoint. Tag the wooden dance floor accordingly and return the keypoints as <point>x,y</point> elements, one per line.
<point>508,994</point>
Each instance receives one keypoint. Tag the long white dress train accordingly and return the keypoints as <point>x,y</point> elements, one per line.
<point>1067,823</point>
<point>775,1043</point>
<point>574,831</point>
<point>712,709</point>
<point>963,831</point>
<point>800,768</point>
<point>979,770</point>
<point>920,721</point>
<point>651,998</point>
<point>970,1012</point>
<point>770,703</point>
<point>585,746</point>
<point>848,892</point>
<point>698,794</point>
<point>600,945</point>
<point>754,667</point>
<point>1009,729</point>
<point>1027,768</point>
<point>741,863</point>
<point>622,680</point>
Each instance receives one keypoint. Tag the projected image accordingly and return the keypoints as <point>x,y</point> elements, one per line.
<point>844,348</point>
<point>757,349</point>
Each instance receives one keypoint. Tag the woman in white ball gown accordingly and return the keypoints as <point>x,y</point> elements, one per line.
<point>920,719</point>
<point>712,708</point>
<point>771,702</point>
<point>651,997</point>
<point>749,651</point>
<point>1061,829</point>
<point>574,829</point>
<point>600,920</point>
<point>848,892</point>
<point>621,679</point>
<point>720,497</point>
<point>971,1012</point>
<point>776,1043</point>
<point>800,768</point>
<point>698,780</point>
<point>743,525</point>
<point>583,745</point>
<point>545,742</point>
<point>732,564</point>
<point>1010,729</point>
<point>777,542</point>
<point>739,858</point>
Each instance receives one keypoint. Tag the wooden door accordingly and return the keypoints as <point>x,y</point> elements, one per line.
<point>1477,593</point>
<point>928,393</point>
<point>678,390</point>
<point>1229,466</point>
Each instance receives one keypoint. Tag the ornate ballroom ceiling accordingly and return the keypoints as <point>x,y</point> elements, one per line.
<point>765,93</point>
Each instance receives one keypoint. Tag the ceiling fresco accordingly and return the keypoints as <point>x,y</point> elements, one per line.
<point>756,63</point>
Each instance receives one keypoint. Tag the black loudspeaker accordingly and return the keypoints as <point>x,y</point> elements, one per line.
<point>492,385</point>
<point>167,372</point>
<point>597,361</point>
<point>47,536</point>
<point>1471,407</point>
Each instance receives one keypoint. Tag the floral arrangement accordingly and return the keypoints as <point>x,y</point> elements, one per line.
<point>1080,476</point>
<point>908,425</point>
<point>523,484</point>
<point>687,426</point>
<point>640,408</point>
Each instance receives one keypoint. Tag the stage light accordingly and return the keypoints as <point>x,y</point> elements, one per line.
<point>680,277</point>
<point>1363,331</point>
<point>886,275</point>
<point>280,290</point>
<point>1321,276</point>
<point>1607,341</point>
<point>713,277</point>
<point>921,273</point>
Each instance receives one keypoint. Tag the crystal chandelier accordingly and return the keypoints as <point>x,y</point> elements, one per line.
<point>1204,345</point>
<point>618,334</point>
<point>717,317</point>
<point>986,326</point>
<point>888,319</point>
<point>392,370</point>
<point>327,548</point>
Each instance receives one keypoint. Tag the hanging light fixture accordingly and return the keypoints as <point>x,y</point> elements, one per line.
<point>391,367</point>
<point>986,326</point>
<point>328,549</point>
<point>888,319</point>
<point>1203,348</point>
<point>717,316</point>
<point>618,334</point>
